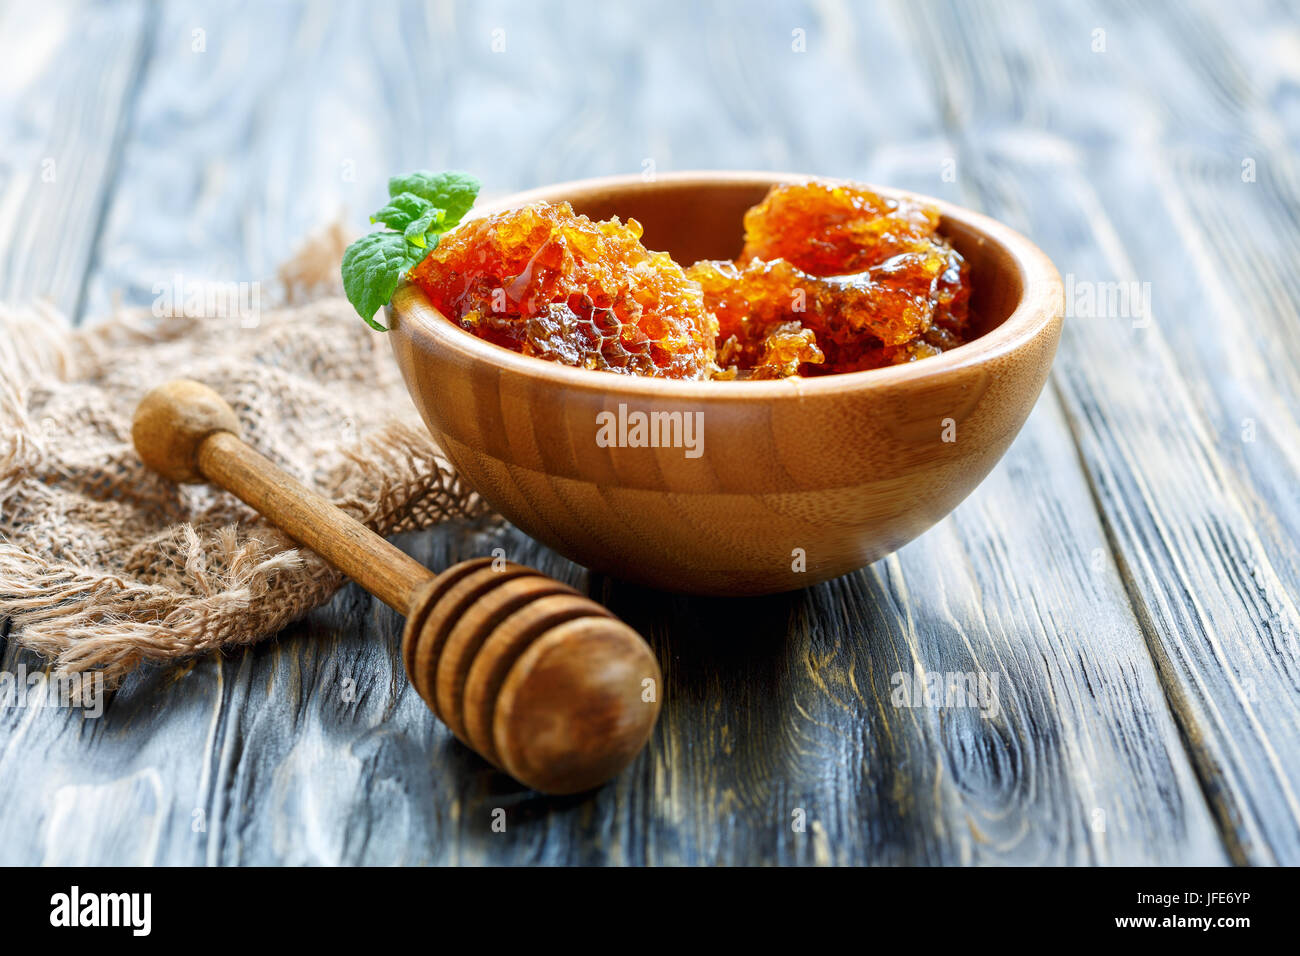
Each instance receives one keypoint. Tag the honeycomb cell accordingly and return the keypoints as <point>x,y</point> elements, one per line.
<point>835,278</point>
<point>546,282</point>
<point>833,228</point>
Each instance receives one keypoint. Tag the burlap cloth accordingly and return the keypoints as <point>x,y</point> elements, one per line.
<point>105,565</point>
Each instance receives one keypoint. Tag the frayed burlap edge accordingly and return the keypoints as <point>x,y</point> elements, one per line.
<point>104,565</point>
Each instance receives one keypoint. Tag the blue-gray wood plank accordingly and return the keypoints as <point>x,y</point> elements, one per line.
<point>1128,573</point>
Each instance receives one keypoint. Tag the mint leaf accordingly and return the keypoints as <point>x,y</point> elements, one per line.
<point>372,267</point>
<point>422,206</point>
<point>420,230</point>
<point>453,191</point>
<point>402,210</point>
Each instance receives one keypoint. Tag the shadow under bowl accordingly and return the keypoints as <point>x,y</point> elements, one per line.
<point>793,481</point>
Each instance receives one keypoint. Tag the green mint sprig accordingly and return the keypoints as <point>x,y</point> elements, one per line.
<point>421,207</point>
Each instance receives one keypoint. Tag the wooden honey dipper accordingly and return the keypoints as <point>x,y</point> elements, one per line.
<point>539,680</point>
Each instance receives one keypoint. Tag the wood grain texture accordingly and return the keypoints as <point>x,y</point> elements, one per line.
<point>1167,408</point>
<point>1147,681</point>
<point>69,80</point>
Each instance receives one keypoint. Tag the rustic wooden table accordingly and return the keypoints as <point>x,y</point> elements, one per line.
<point>1128,574</point>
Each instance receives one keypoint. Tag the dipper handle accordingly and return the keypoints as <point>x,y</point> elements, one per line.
<point>538,679</point>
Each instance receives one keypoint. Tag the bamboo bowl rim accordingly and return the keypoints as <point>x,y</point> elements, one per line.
<point>1040,295</point>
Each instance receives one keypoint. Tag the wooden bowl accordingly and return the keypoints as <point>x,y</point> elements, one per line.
<point>797,480</point>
